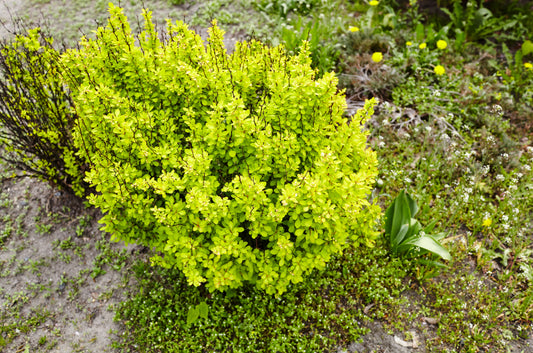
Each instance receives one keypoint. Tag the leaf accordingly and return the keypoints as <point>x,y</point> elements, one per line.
<point>431,245</point>
<point>527,47</point>
<point>192,315</point>
<point>414,228</point>
<point>429,228</point>
<point>518,58</point>
<point>398,238</point>
<point>389,214</point>
<point>413,207</point>
<point>401,214</point>
<point>203,310</point>
<point>420,33</point>
<point>334,196</point>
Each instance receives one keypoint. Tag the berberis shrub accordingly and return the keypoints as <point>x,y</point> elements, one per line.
<point>36,116</point>
<point>234,167</point>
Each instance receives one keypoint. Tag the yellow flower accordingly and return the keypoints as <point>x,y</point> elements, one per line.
<point>487,222</point>
<point>528,66</point>
<point>441,44</point>
<point>377,57</point>
<point>422,45</point>
<point>408,43</point>
<point>439,70</point>
<point>354,29</point>
<point>373,3</point>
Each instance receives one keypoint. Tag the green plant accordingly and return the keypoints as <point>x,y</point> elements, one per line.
<point>199,311</point>
<point>318,34</point>
<point>284,7</point>
<point>404,234</point>
<point>516,76</point>
<point>236,168</point>
<point>35,113</point>
<point>472,22</point>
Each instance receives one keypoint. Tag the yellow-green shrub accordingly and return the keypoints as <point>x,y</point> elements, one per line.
<point>235,168</point>
<point>36,116</point>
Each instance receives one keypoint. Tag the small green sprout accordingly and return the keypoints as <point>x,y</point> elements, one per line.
<point>404,234</point>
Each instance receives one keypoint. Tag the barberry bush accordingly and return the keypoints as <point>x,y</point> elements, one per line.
<point>36,113</point>
<point>236,168</point>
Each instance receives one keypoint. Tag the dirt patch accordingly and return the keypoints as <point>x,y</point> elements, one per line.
<point>58,276</point>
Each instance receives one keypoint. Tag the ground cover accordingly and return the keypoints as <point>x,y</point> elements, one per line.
<point>453,128</point>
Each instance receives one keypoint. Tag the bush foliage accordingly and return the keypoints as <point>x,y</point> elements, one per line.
<point>36,114</point>
<point>235,168</point>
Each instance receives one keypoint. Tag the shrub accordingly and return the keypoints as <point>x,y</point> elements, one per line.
<point>36,114</point>
<point>235,168</point>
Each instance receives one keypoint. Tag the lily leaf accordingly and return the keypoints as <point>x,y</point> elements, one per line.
<point>431,245</point>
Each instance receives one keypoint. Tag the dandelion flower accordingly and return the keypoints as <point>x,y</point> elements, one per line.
<point>441,44</point>
<point>439,70</point>
<point>377,57</point>
<point>354,29</point>
<point>373,3</point>
<point>528,66</point>
<point>422,45</point>
<point>487,222</point>
<point>408,43</point>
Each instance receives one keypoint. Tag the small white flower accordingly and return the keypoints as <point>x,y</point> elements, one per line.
<point>505,218</point>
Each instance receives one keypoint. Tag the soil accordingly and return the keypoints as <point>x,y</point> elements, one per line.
<point>50,263</point>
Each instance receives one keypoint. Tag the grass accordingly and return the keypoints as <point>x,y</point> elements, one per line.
<point>459,143</point>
